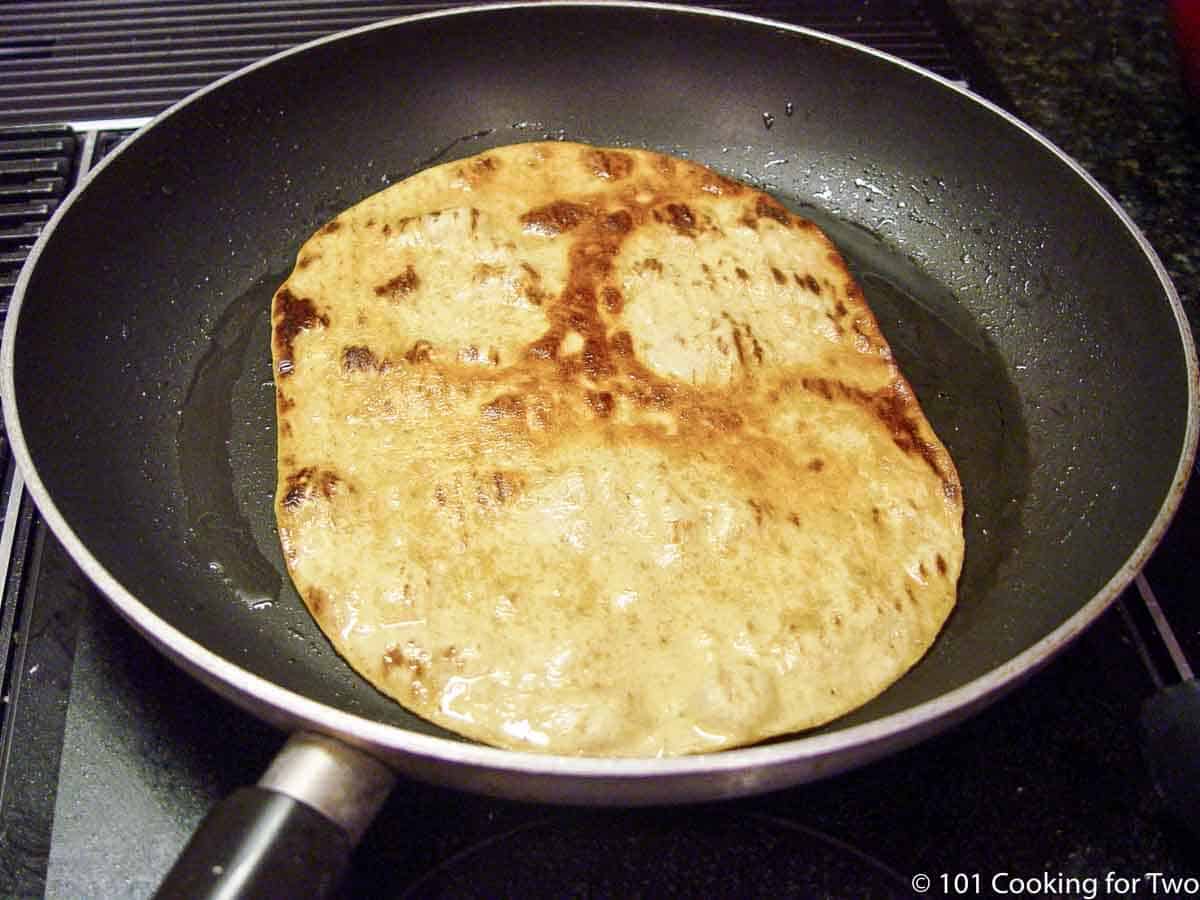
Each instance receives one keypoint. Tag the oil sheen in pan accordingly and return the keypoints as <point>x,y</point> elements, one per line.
<point>227,426</point>
<point>226,446</point>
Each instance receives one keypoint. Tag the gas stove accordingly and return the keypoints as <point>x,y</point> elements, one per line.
<point>109,756</point>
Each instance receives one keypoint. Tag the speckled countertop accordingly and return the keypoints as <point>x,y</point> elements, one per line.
<point>1100,78</point>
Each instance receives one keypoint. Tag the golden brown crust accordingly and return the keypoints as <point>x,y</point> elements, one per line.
<point>591,450</point>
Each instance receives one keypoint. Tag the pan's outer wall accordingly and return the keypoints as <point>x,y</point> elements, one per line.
<point>127,289</point>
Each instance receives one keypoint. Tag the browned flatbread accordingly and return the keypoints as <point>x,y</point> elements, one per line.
<point>595,451</point>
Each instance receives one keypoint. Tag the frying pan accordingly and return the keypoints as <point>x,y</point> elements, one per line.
<point>1041,333</point>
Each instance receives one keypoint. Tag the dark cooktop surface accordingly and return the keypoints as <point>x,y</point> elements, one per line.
<point>110,755</point>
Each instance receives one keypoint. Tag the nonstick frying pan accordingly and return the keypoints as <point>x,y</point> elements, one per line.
<point>1041,333</point>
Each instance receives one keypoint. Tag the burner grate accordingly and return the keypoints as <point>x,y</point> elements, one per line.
<point>83,62</point>
<point>36,167</point>
<point>35,171</point>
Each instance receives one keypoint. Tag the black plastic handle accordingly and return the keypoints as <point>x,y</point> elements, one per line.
<point>1170,733</point>
<point>263,844</point>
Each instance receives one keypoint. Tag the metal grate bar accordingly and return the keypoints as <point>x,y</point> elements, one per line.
<point>170,57</point>
<point>35,167</point>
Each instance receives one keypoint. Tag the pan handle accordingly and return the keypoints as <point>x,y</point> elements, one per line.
<point>290,835</point>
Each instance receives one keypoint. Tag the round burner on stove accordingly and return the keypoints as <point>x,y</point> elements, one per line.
<point>679,853</point>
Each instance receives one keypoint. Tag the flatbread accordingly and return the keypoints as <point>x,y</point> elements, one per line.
<point>597,451</point>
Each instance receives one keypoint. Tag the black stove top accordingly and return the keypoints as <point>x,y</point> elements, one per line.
<point>110,755</point>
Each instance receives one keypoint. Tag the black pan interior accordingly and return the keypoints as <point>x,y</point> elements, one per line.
<point>1036,330</point>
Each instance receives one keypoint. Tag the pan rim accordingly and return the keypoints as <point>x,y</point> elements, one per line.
<point>259,694</point>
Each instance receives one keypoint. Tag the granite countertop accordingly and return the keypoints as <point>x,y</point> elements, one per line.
<point>1102,80</point>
